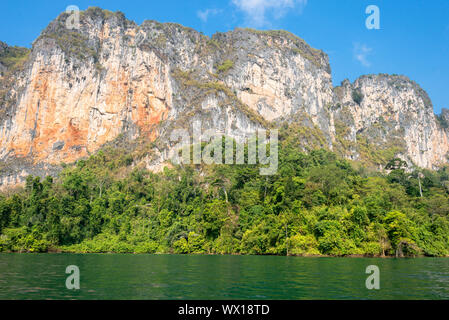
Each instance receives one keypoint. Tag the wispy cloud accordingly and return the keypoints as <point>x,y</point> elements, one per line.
<point>205,14</point>
<point>257,11</point>
<point>361,53</point>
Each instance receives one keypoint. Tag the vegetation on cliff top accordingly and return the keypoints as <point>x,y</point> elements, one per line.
<point>443,119</point>
<point>13,58</point>
<point>12,61</point>
<point>298,45</point>
<point>74,43</point>
<point>316,204</point>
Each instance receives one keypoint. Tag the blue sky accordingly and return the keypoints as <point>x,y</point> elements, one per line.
<point>413,38</point>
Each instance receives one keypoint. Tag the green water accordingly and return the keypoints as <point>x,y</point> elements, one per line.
<point>117,276</point>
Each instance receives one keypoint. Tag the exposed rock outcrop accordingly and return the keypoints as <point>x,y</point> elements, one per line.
<point>393,114</point>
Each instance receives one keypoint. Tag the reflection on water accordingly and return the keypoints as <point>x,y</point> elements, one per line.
<point>118,276</point>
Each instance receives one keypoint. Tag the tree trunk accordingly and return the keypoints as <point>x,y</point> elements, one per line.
<point>420,188</point>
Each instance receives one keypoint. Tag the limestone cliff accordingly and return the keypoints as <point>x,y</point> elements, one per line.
<point>76,90</point>
<point>392,113</point>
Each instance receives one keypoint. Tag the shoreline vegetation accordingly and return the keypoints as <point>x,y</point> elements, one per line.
<point>318,204</point>
<point>68,251</point>
<point>62,251</point>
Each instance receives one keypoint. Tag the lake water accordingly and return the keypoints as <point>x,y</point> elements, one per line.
<point>120,276</point>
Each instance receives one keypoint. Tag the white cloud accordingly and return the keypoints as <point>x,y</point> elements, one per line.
<point>205,14</point>
<point>256,11</point>
<point>361,53</point>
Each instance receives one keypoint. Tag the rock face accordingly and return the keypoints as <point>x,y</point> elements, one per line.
<point>385,108</point>
<point>79,89</point>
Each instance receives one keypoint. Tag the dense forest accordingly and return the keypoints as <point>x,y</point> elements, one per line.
<point>317,204</point>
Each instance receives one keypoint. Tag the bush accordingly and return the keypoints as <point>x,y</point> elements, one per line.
<point>303,245</point>
<point>225,66</point>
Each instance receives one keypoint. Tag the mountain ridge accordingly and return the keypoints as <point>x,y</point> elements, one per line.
<point>77,90</point>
